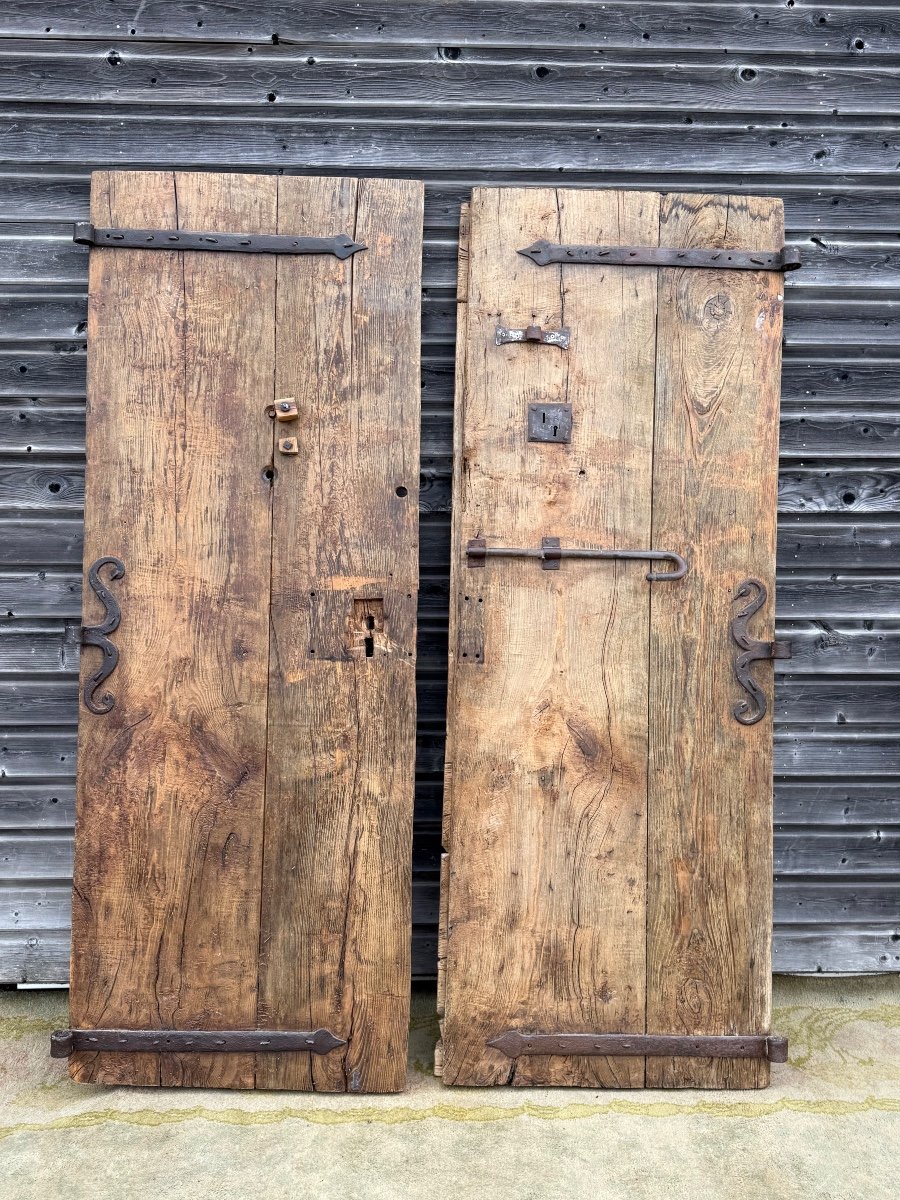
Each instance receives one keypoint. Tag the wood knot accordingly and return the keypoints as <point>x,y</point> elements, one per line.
<point>717,311</point>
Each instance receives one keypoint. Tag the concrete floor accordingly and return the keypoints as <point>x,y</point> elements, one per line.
<point>827,1129</point>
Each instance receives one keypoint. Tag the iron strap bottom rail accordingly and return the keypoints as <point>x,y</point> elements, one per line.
<point>515,1045</point>
<point>64,1042</point>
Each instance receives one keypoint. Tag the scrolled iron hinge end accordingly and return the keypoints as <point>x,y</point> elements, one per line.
<point>96,635</point>
<point>753,708</point>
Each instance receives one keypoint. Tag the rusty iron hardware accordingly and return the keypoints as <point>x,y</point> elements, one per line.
<point>96,635</point>
<point>549,422</point>
<point>341,246</point>
<point>64,1042</point>
<point>551,552</point>
<point>286,410</point>
<point>543,252</point>
<point>515,1044</point>
<point>288,445</point>
<point>533,333</point>
<point>751,710</point>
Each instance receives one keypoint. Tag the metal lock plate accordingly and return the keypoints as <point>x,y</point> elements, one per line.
<point>549,422</point>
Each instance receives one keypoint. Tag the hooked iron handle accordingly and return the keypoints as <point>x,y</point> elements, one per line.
<point>753,709</point>
<point>550,553</point>
<point>96,635</point>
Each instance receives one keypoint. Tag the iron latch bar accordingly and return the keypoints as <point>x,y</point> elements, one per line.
<point>64,1042</point>
<point>543,253</point>
<point>533,333</point>
<point>341,246</point>
<point>551,552</point>
<point>515,1044</point>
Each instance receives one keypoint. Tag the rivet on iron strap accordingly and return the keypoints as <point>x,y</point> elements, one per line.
<point>341,246</point>
<point>543,253</point>
<point>514,1044</point>
<point>64,1042</point>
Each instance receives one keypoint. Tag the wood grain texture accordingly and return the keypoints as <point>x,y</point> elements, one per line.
<point>339,797</point>
<point>170,783</point>
<point>563,852</point>
<point>202,877</point>
<point>714,489</point>
<point>546,840</point>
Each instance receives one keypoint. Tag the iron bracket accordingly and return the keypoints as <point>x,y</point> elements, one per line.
<point>751,710</point>
<point>96,635</point>
<point>341,246</point>
<point>551,552</point>
<point>514,1044</point>
<point>64,1042</point>
<point>543,252</point>
<point>533,333</point>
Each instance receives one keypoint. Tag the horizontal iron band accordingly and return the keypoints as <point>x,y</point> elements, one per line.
<point>341,246</point>
<point>191,1041</point>
<point>543,253</point>
<point>515,1045</point>
<point>550,553</point>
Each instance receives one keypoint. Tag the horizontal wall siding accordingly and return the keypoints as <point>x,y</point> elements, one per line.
<point>790,99</point>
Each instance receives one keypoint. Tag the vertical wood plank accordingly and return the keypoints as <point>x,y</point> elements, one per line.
<point>170,783</point>
<point>336,882</point>
<point>546,837</point>
<point>710,812</point>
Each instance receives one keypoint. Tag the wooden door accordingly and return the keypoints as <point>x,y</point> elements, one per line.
<point>607,814</point>
<point>244,806</point>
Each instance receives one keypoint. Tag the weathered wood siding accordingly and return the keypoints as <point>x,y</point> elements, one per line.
<point>791,99</point>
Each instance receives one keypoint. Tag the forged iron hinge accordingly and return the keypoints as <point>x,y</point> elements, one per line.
<point>543,253</point>
<point>514,1044</point>
<point>64,1042</point>
<point>341,246</point>
<point>754,707</point>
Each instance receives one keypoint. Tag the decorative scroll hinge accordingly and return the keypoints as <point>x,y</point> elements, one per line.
<point>96,635</point>
<point>533,333</point>
<point>341,246</point>
<point>191,1041</point>
<point>515,1044</point>
<point>751,710</point>
<point>543,253</point>
<point>551,552</point>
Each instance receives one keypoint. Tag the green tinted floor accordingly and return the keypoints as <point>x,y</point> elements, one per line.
<point>827,1129</point>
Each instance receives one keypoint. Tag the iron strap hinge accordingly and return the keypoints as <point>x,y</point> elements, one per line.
<point>64,1042</point>
<point>551,552</point>
<point>514,1044</point>
<point>543,253</point>
<point>341,246</point>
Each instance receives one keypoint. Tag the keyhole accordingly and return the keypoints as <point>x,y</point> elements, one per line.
<point>369,640</point>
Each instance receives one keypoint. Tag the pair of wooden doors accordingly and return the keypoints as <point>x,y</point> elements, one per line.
<point>245,780</point>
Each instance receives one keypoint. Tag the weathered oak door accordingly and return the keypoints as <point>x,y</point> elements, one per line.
<point>608,787</point>
<point>245,773</point>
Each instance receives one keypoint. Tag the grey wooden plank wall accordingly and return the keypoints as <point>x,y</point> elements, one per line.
<point>791,98</point>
